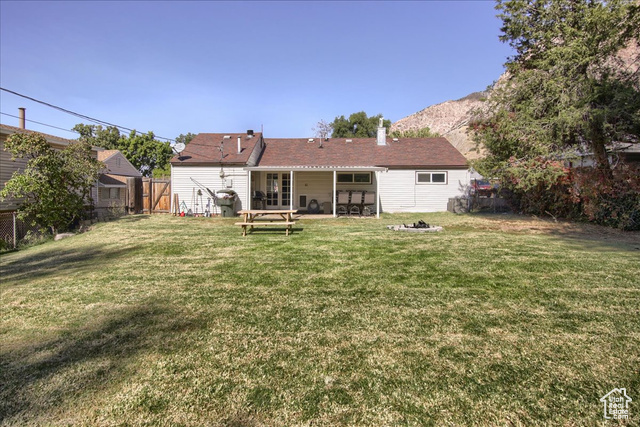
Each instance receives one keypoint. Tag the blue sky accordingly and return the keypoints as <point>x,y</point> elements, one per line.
<point>178,67</point>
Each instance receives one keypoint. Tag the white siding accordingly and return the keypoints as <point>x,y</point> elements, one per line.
<point>314,185</point>
<point>400,193</point>
<point>209,176</point>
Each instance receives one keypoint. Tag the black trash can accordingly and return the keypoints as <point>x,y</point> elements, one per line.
<point>227,202</point>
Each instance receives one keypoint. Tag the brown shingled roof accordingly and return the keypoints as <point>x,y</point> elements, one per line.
<point>404,153</point>
<point>50,138</point>
<point>204,149</point>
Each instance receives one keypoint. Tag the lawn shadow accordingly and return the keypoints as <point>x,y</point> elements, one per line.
<point>38,378</point>
<point>274,230</point>
<point>132,218</point>
<point>54,260</point>
<point>584,235</point>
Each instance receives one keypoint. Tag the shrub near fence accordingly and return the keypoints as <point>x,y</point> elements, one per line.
<point>12,230</point>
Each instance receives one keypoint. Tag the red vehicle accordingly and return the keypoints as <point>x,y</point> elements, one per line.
<point>483,187</point>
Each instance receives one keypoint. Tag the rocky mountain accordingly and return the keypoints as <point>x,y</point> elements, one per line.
<point>450,119</point>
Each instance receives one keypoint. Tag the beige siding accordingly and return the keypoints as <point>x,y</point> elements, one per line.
<point>314,185</point>
<point>119,165</point>
<point>208,176</point>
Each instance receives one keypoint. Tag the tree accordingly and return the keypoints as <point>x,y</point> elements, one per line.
<point>96,135</point>
<point>185,139</point>
<point>322,129</point>
<point>145,152</point>
<point>424,132</point>
<point>568,90</point>
<point>358,126</point>
<point>55,185</point>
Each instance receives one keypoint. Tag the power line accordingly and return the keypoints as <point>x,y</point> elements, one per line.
<point>43,124</point>
<point>82,116</point>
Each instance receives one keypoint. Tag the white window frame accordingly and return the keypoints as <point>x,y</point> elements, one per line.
<point>353,174</point>
<point>431,173</point>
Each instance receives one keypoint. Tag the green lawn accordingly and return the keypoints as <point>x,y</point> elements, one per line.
<point>498,320</point>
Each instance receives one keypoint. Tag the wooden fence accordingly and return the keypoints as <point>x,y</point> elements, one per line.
<point>156,195</point>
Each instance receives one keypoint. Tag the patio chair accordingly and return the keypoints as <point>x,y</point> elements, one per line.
<point>368,203</point>
<point>342,203</point>
<point>356,202</point>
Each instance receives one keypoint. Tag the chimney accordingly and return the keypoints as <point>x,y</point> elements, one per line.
<point>382,133</point>
<point>21,116</point>
<point>239,145</point>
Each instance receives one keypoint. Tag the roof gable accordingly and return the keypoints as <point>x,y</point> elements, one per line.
<point>117,164</point>
<point>215,149</point>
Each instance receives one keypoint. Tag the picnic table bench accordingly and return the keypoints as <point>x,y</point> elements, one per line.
<point>265,218</point>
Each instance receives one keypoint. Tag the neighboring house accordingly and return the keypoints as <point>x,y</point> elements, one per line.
<point>112,184</point>
<point>407,174</point>
<point>8,166</point>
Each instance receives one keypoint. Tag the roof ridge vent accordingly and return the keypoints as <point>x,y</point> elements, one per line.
<point>310,140</point>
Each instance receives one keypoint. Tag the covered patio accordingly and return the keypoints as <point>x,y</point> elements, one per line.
<point>295,187</point>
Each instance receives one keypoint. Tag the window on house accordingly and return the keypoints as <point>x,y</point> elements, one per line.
<point>109,193</point>
<point>431,177</point>
<point>354,178</point>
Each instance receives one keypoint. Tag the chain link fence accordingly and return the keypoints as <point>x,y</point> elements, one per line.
<point>12,230</point>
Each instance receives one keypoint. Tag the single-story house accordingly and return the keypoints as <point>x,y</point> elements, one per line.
<point>406,174</point>
<point>112,184</point>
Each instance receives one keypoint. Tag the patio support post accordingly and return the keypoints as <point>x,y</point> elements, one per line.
<point>291,187</point>
<point>377,194</point>
<point>333,202</point>
<point>249,198</point>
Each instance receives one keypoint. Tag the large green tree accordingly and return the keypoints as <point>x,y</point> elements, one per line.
<point>98,136</point>
<point>567,88</point>
<point>358,125</point>
<point>572,87</point>
<point>143,151</point>
<point>185,139</point>
<point>55,185</point>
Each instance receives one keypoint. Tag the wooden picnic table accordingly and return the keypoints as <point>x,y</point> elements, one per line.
<point>266,217</point>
